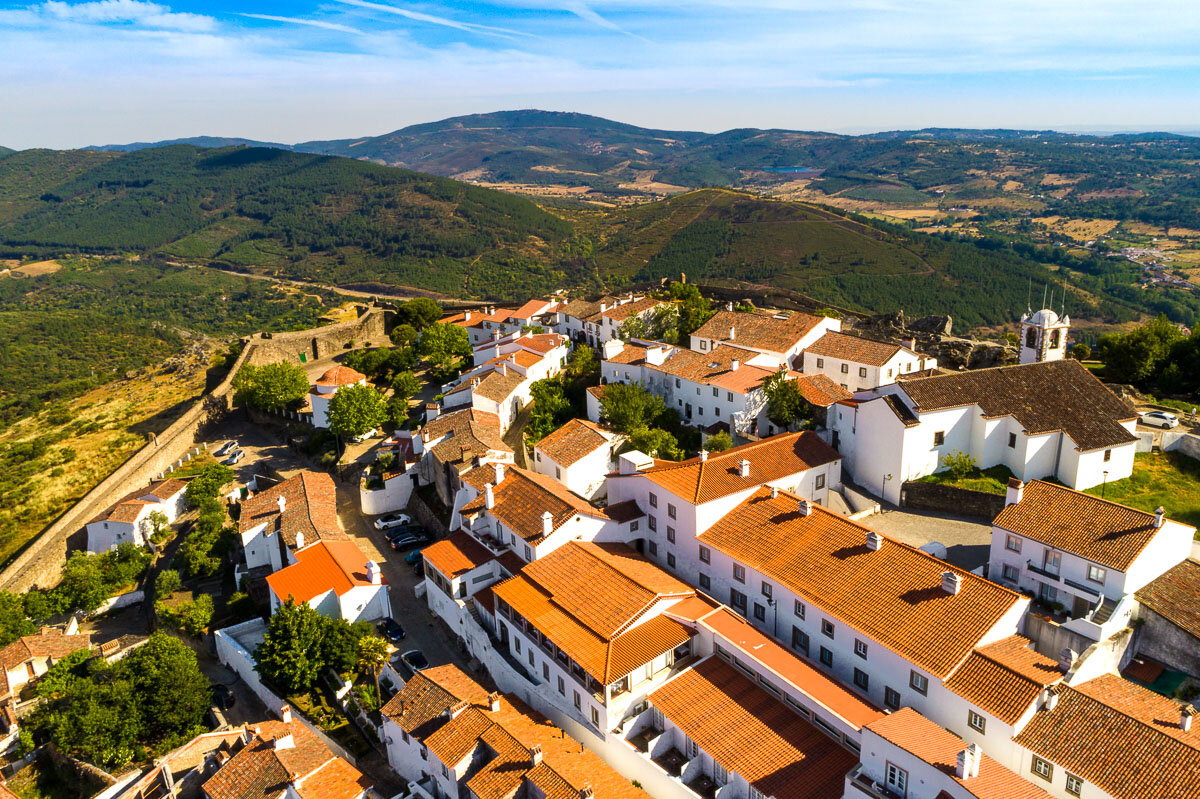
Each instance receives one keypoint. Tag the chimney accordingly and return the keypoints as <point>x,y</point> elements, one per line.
<point>491,310</point>
<point>467,316</point>
<point>951,582</point>
<point>732,332</point>
<point>874,541</point>
<point>494,701</point>
<point>703,455</point>
<point>300,540</point>
<point>489,497</point>
<point>282,504</point>
<point>968,762</point>
<point>774,492</point>
<point>744,468</point>
<point>729,306</point>
<point>734,364</point>
<point>612,348</point>
<point>285,714</point>
<point>458,707</point>
<point>499,468</point>
<point>535,754</point>
<point>285,742</point>
<point>909,343</point>
<point>1160,517</point>
<point>547,523</point>
<point>502,368</point>
<point>1050,698</point>
<point>655,356</point>
<point>603,307</point>
<point>374,574</point>
<point>1016,489</point>
<point>1066,659</point>
<point>496,334</point>
<point>1185,717</point>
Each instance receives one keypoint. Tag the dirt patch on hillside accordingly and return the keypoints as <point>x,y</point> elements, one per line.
<point>38,268</point>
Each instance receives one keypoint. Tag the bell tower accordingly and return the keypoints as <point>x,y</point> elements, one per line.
<point>1043,336</point>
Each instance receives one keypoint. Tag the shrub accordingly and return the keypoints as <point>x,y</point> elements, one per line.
<point>167,583</point>
<point>958,463</point>
<point>718,442</point>
<point>192,617</point>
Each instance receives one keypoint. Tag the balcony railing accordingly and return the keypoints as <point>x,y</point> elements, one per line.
<point>1039,570</point>
<point>869,787</point>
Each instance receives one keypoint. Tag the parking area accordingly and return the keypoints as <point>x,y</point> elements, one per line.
<point>262,446</point>
<point>967,541</point>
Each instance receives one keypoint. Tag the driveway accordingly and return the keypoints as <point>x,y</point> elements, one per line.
<point>967,541</point>
<point>262,445</point>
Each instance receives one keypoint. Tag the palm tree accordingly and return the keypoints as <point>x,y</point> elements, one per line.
<point>372,654</point>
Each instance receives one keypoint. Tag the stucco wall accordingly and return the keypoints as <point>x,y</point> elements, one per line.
<point>1163,641</point>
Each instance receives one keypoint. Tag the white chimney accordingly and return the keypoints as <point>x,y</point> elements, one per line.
<point>374,574</point>
<point>1185,717</point>
<point>874,541</point>
<point>282,501</point>
<point>613,348</point>
<point>586,792</point>
<point>489,497</point>
<point>703,455</point>
<point>300,540</point>
<point>499,468</point>
<point>1066,659</point>
<point>734,364</point>
<point>285,714</point>
<point>744,468</point>
<point>655,356</point>
<point>729,306</point>
<point>285,742</point>
<point>502,368</point>
<point>732,332</point>
<point>467,316</point>
<point>535,754</point>
<point>1160,516</point>
<point>774,492</point>
<point>496,334</point>
<point>547,523</point>
<point>1050,700</point>
<point>491,310</point>
<point>494,701</point>
<point>603,307</point>
<point>805,507</point>
<point>951,582</point>
<point>968,762</point>
<point>1016,489</point>
<point>458,707</point>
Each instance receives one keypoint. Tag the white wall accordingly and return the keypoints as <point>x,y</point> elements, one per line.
<point>585,476</point>
<point>393,496</point>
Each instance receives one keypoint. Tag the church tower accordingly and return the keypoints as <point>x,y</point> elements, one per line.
<point>1043,336</point>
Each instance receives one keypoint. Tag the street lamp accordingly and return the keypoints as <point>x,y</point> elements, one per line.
<point>886,477</point>
<point>774,616</point>
<point>1104,485</point>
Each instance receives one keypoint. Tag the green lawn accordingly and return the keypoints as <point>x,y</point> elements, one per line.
<point>993,480</point>
<point>1171,480</point>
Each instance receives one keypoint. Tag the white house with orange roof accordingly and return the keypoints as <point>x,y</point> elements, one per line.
<point>857,363</point>
<point>127,521</point>
<point>482,324</point>
<point>599,321</point>
<point>781,337</point>
<point>326,386</point>
<point>501,390</point>
<point>552,346</point>
<point>288,516</point>
<point>334,578</point>
<point>580,455</point>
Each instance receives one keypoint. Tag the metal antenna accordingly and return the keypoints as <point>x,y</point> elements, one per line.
<point>1044,288</point>
<point>1029,297</point>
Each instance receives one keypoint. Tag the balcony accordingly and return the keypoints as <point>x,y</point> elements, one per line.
<point>866,787</point>
<point>642,740</point>
<point>1040,571</point>
<point>671,761</point>
<point>703,786</point>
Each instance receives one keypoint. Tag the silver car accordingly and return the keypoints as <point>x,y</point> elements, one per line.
<point>1159,419</point>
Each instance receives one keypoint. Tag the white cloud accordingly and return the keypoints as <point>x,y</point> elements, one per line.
<point>312,23</point>
<point>150,15</point>
<point>431,19</point>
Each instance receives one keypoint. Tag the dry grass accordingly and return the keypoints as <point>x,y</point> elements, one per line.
<point>39,268</point>
<point>1051,179</point>
<point>1078,229</point>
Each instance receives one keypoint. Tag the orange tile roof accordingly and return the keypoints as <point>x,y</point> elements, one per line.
<point>417,707</point>
<point>920,737</point>
<point>573,441</point>
<point>894,594</point>
<point>853,348</point>
<point>1043,397</point>
<point>1123,738</point>
<point>773,458</point>
<point>334,566</point>
<point>1004,678</point>
<point>1175,596</point>
<point>716,368</point>
<point>586,598</point>
<point>337,779</point>
<point>466,434</point>
<point>340,376</point>
<point>456,555</point>
<point>762,332</point>
<point>748,731</point>
<point>543,342</point>
<point>1093,528</point>
<point>820,390</point>
<point>531,309</point>
<point>625,310</point>
<point>49,642</point>
<point>260,771</point>
<point>310,508</point>
<point>522,358</point>
<point>128,507</point>
<point>523,496</point>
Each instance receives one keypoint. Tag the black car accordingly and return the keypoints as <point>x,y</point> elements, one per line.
<point>399,532</point>
<point>410,541</point>
<point>391,630</point>
<point>415,660</point>
<point>224,697</point>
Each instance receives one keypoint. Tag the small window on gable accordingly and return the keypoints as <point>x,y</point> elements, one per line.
<point>939,438</point>
<point>1012,440</point>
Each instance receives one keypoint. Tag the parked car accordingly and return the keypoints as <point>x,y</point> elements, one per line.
<point>363,437</point>
<point>390,629</point>
<point>224,448</point>
<point>224,697</point>
<point>410,541</point>
<point>235,457</point>
<point>414,660</point>
<point>389,520</point>
<point>1159,419</point>
<point>403,530</point>
<point>414,557</point>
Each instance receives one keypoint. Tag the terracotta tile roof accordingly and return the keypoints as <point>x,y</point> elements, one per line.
<point>182,762</point>
<point>325,566</point>
<point>261,771</point>
<point>853,348</point>
<point>1093,528</point>
<point>920,737</point>
<point>49,642</point>
<point>1043,398</point>
<point>1004,678</point>
<point>480,476</point>
<point>896,406</point>
<point>748,731</point>
<point>573,441</point>
<point>491,384</point>
<point>771,458</point>
<point>586,597</point>
<point>1123,738</point>
<point>628,309</point>
<point>127,508</point>
<point>523,496</point>
<point>715,368</point>
<point>596,391</point>
<point>418,706</point>
<point>894,595</point>
<point>632,354</point>
<point>310,507</point>
<point>531,309</point>
<point>337,779</point>
<point>456,555</point>
<point>1175,596</point>
<point>820,390</point>
<point>543,342</point>
<point>758,331</point>
<point>340,376</point>
<point>467,434</point>
<point>625,511</point>
<point>522,358</point>
<point>580,309</point>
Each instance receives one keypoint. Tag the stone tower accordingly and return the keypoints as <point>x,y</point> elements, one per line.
<point>1043,336</point>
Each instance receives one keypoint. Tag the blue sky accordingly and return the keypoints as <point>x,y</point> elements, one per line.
<point>77,73</point>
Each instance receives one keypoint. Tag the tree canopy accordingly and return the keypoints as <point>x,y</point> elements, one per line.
<point>272,387</point>
<point>785,405</point>
<point>300,644</point>
<point>628,407</point>
<point>1140,354</point>
<point>356,410</point>
<point>442,345</point>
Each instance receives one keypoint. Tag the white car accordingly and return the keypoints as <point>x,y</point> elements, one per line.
<point>390,520</point>
<point>226,447</point>
<point>1159,419</point>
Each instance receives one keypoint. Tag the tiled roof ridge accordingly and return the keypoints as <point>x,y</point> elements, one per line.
<point>1092,497</point>
<point>304,477</point>
<point>978,652</point>
<point>716,457</point>
<point>1097,700</point>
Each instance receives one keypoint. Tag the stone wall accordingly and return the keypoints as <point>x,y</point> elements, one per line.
<point>951,500</point>
<point>1167,643</point>
<point>371,327</point>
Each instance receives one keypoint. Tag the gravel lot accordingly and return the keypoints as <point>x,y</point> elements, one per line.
<point>966,540</point>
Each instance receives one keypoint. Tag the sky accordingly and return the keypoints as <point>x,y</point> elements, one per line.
<point>80,73</point>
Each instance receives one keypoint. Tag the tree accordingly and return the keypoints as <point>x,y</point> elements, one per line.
<point>13,621</point>
<point>191,617</point>
<point>339,643</point>
<point>372,654</point>
<point>167,583</point>
<point>694,308</point>
<point>160,526</point>
<point>406,385</point>
<point>290,655</point>
<point>718,442</point>
<point>272,387</point>
<point>582,362</point>
<point>419,313</point>
<point>551,409</point>
<point>442,345</point>
<point>664,323</point>
<point>356,410</point>
<point>628,407</point>
<point>403,335</point>
<point>655,443</point>
<point>1137,356</point>
<point>785,405</point>
<point>633,327</point>
<point>1081,351</point>
<point>207,484</point>
<point>958,463</point>
<point>172,692</point>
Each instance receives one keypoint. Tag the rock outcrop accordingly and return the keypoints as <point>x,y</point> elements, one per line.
<point>931,335</point>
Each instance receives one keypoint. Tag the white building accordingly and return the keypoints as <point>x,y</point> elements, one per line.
<point>336,579</point>
<point>550,346</point>
<point>780,336</point>
<point>128,520</point>
<point>858,364</point>
<point>327,385</point>
<point>580,454</point>
<point>1049,419</point>
<point>1082,552</point>
<point>600,321</point>
<point>452,443</point>
<point>288,516</point>
<point>482,324</point>
<point>1043,336</point>
<point>500,390</point>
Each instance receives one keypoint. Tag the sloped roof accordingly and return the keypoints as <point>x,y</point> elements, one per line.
<point>894,594</point>
<point>523,496</point>
<point>325,566</point>
<point>1004,678</point>
<point>310,507</point>
<point>628,309</point>
<point>467,433</point>
<point>261,771</point>
<point>337,779</point>
<point>456,555</point>
<point>1175,595</point>
<point>573,441</point>
<point>854,348</point>
<point>340,376</point>
<point>820,390</point>
<point>758,331</point>
<point>715,368</point>
<point>128,507</point>
<point>1043,397</point>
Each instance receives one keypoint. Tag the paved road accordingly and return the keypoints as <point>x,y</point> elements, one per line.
<point>966,540</point>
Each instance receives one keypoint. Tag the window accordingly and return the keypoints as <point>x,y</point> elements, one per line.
<point>1042,768</point>
<point>653,520</point>
<point>1074,785</point>
<point>1012,543</point>
<point>845,368</point>
<point>1012,440</point>
<point>820,363</point>
<point>654,500</point>
<point>539,456</point>
<point>716,391</point>
<point>445,771</point>
<point>939,438</point>
<point>827,657</point>
<point>705,582</point>
<point>798,609</point>
<point>670,511</point>
<point>860,648</point>
<point>897,779</point>
<point>546,671</point>
<point>670,560</point>
<point>633,526</point>
<point>595,718</point>
<point>862,371</point>
<point>1096,574</point>
<point>671,534</point>
<point>827,628</point>
<point>729,396</point>
<point>760,612</point>
<point>705,554</point>
<point>1011,573</point>
<point>578,704</point>
<point>919,682</point>
<point>677,383</point>
<point>531,657</point>
<point>1107,455</point>
<point>562,686</point>
<point>799,640</point>
<point>819,482</point>
<point>739,572</point>
<point>738,600</point>
<point>890,372</point>
<point>517,644</point>
<point>976,721</point>
<point>766,589</point>
<point>703,344</point>
<point>861,679</point>
<point>891,698</point>
<point>653,547</point>
<point>557,473</point>
<point>528,553</point>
